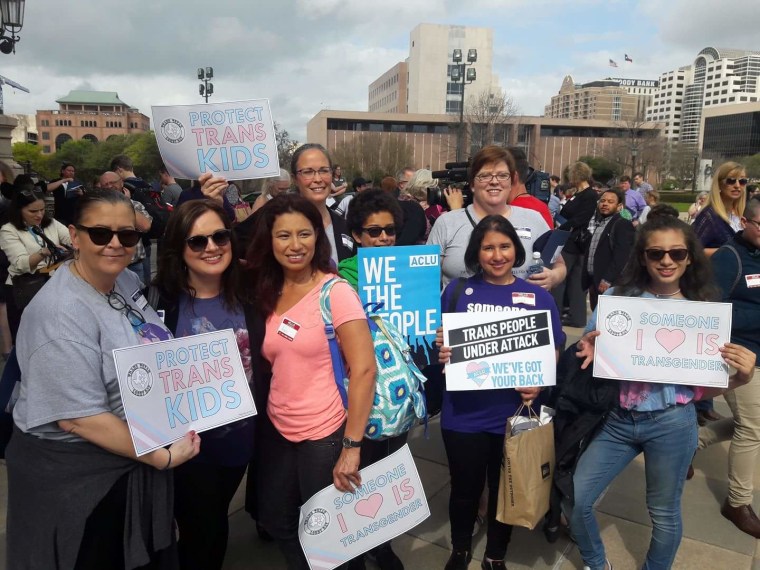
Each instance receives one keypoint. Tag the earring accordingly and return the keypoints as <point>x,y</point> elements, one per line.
<point>76,254</point>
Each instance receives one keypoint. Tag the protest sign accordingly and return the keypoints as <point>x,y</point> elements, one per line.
<point>662,340</point>
<point>335,527</point>
<point>235,140</point>
<point>499,350</point>
<point>406,280</point>
<point>191,383</point>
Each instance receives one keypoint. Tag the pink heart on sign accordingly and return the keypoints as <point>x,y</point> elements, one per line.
<point>670,339</point>
<point>368,507</point>
<point>478,372</point>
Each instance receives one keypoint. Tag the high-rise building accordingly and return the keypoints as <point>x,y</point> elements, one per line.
<point>611,99</point>
<point>427,87</point>
<point>92,115</point>
<point>717,77</point>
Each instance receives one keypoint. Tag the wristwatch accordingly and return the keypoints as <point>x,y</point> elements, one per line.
<point>349,443</point>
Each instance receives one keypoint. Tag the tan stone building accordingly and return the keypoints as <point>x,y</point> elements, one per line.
<point>608,99</point>
<point>387,93</point>
<point>93,115</point>
<point>551,144</point>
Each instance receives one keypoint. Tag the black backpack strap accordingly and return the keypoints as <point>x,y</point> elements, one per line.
<point>458,288</point>
<point>740,269</point>
<point>469,217</point>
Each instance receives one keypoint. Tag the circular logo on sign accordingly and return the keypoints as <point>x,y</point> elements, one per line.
<point>316,521</point>
<point>173,131</point>
<point>618,323</point>
<point>139,379</point>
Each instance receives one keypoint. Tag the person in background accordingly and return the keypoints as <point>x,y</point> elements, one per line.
<point>26,250</point>
<point>752,191</point>
<point>642,186</point>
<point>736,266</point>
<point>599,188</point>
<point>273,187</point>
<point>358,185</point>
<point>655,419</point>
<point>339,184</point>
<point>634,202</point>
<point>308,440</point>
<point>170,190</point>
<point>78,495</point>
<point>518,195</point>
<point>415,223</point>
<point>699,202</point>
<point>199,290</point>
<point>473,422</point>
<point>417,188</point>
<point>66,192</point>
<point>555,204</point>
<point>652,198</point>
<point>6,195</point>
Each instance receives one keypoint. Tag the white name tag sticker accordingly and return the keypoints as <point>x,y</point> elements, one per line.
<point>523,233</point>
<point>752,280</point>
<point>139,299</point>
<point>524,299</point>
<point>288,329</point>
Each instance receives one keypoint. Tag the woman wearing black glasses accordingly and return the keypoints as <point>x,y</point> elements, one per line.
<point>29,240</point>
<point>720,218</point>
<point>198,286</point>
<point>78,496</point>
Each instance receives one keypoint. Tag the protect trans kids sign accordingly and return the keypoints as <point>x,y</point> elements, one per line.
<point>336,527</point>
<point>492,350</point>
<point>662,341</point>
<point>235,140</point>
<point>406,280</point>
<point>191,383</point>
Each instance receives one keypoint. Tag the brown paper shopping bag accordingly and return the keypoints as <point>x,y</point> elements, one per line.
<point>526,474</point>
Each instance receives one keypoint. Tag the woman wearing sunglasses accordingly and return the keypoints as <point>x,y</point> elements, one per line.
<point>307,439</point>
<point>658,420</point>
<point>78,496</point>
<point>720,218</point>
<point>198,289</point>
<point>27,250</point>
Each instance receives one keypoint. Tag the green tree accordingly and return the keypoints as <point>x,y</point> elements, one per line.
<point>751,164</point>
<point>603,168</point>
<point>143,150</point>
<point>24,152</point>
<point>285,146</point>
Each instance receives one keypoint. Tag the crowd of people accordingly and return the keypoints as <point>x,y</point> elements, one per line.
<point>80,284</point>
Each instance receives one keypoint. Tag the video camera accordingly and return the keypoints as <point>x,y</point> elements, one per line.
<point>456,174</point>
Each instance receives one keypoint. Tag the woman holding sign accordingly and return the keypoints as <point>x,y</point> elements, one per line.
<point>473,422</point>
<point>310,440</point>
<point>199,285</point>
<point>78,497</point>
<point>658,420</point>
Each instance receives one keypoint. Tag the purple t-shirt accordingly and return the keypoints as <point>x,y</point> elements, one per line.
<point>488,410</point>
<point>230,445</point>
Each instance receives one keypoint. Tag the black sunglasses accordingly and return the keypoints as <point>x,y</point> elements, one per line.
<point>375,231</point>
<point>679,254</point>
<point>103,236</point>
<point>199,243</point>
<point>732,181</point>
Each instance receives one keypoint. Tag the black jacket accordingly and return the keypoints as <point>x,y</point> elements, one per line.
<point>612,252</point>
<point>577,213</point>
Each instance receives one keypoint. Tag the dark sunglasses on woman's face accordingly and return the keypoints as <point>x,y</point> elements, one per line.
<point>679,254</point>
<point>103,236</point>
<point>732,181</point>
<point>375,231</point>
<point>199,243</point>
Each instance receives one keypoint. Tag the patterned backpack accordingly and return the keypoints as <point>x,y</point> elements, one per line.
<point>399,390</point>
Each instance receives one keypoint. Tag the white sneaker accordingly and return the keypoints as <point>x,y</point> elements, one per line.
<point>607,566</point>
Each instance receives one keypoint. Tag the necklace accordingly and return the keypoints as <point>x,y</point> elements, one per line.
<point>664,295</point>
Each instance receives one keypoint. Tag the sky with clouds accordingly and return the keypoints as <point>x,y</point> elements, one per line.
<point>308,55</point>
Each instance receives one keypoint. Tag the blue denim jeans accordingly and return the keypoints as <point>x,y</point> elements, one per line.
<point>668,439</point>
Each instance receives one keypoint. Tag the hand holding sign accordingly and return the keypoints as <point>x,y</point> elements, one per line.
<point>183,450</point>
<point>213,187</point>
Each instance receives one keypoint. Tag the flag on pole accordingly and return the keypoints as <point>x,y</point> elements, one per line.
<point>612,63</point>
<point>628,58</point>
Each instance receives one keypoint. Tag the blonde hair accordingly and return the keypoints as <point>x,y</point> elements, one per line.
<point>715,201</point>
<point>578,172</point>
<point>418,184</point>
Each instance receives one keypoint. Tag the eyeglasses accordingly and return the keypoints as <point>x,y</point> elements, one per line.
<point>753,222</point>
<point>118,302</point>
<point>500,176</point>
<point>309,173</point>
<point>103,236</point>
<point>732,181</point>
<point>679,254</point>
<point>199,243</point>
<point>32,194</point>
<point>375,231</point>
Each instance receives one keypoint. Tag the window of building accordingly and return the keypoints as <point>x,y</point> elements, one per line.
<point>453,106</point>
<point>46,149</point>
<point>45,136</point>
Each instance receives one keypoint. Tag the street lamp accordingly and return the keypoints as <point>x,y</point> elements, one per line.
<point>467,75</point>
<point>634,154</point>
<point>11,21</point>
<point>206,89</point>
<point>695,173</point>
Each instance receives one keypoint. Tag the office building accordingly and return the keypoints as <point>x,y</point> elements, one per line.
<point>611,99</point>
<point>730,131</point>
<point>92,115</point>
<point>25,129</point>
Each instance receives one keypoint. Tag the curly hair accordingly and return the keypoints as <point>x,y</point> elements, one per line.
<point>369,202</point>
<point>492,223</point>
<point>696,283</point>
<point>172,278</point>
<point>266,273</point>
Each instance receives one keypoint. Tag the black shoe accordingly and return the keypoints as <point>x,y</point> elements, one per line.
<point>493,565</point>
<point>551,533</point>
<point>263,534</point>
<point>459,560</point>
<point>385,558</point>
